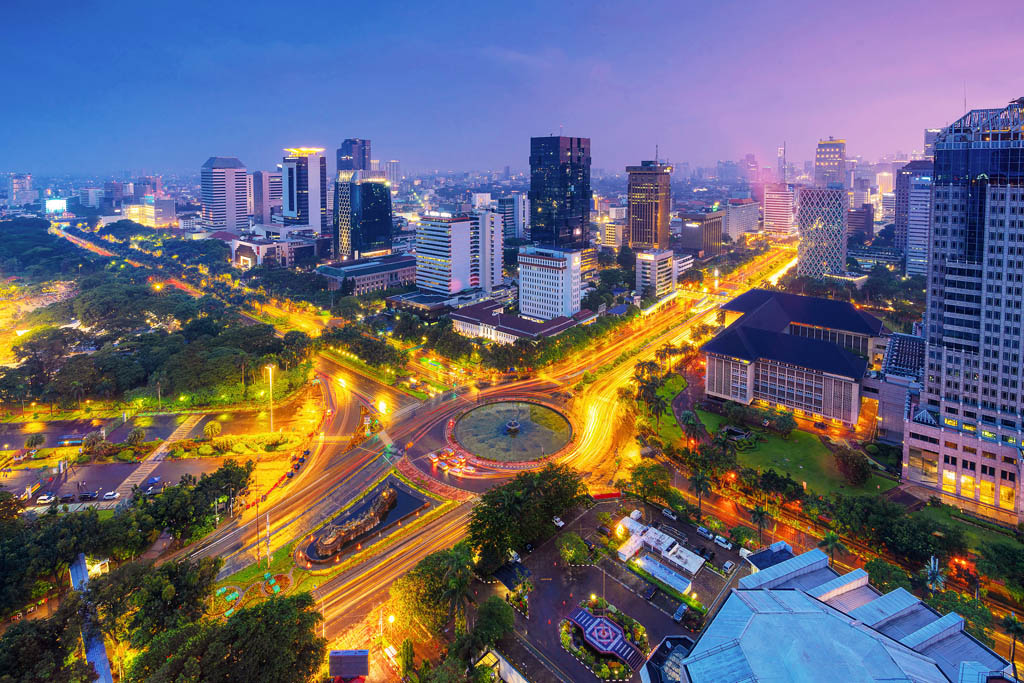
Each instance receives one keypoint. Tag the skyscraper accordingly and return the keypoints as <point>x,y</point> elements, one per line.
<point>883,180</point>
<point>830,163</point>
<point>702,230</point>
<point>904,176</point>
<point>266,195</point>
<point>780,170</point>
<point>559,190</point>
<point>223,192</point>
<point>964,437</point>
<point>649,192</point>
<point>393,172</point>
<point>515,212</point>
<point>821,220</point>
<point>443,244</point>
<point>354,155</point>
<point>304,188</point>
<point>919,214</point>
<point>779,211</point>
<point>486,235</point>
<point>362,216</point>
<point>930,135</point>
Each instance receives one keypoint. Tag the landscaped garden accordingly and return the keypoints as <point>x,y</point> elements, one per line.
<point>604,665</point>
<point>802,456</point>
<point>230,446</point>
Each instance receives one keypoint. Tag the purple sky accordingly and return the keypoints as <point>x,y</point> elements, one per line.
<point>104,86</point>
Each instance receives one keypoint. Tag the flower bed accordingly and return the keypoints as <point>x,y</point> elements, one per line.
<point>602,666</point>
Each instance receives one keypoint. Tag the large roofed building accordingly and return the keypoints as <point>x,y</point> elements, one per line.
<point>800,620</point>
<point>795,352</point>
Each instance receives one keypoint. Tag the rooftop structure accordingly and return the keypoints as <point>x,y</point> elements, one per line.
<point>800,620</point>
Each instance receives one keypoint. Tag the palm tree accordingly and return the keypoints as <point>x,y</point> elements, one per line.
<point>691,425</point>
<point>657,406</point>
<point>664,352</point>
<point>211,429</point>
<point>725,445</point>
<point>646,368</point>
<point>934,576</point>
<point>760,517</point>
<point>831,543</point>
<point>456,574</point>
<point>701,485</point>
<point>1015,629</point>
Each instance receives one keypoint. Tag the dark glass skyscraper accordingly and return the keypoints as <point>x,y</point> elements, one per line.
<point>362,215</point>
<point>559,190</point>
<point>354,155</point>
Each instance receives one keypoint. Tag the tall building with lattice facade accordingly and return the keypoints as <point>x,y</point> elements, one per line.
<point>649,208</point>
<point>821,221</point>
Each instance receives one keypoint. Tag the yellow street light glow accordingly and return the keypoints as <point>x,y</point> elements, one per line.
<point>382,407</point>
<point>593,596</point>
<point>391,618</point>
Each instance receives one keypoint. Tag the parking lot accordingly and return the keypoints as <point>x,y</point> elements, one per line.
<point>558,589</point>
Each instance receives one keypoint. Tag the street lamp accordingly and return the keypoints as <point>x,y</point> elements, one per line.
<point>270,371</point>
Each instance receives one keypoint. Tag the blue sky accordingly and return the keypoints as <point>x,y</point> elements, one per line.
<point>104,86</point>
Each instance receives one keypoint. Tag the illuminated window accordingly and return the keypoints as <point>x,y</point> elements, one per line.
<point>967,486</point>
<point>949,481</point>
<point>1006,497</point>
<point>987,491</point>
<point>951,422</point>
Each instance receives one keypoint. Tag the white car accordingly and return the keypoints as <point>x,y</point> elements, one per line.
<point>558,522</point>
<point>728,567</point>
<point>670,514</point>
<point>45,499</point>
<point>723,542</point>
<point>111,495</point>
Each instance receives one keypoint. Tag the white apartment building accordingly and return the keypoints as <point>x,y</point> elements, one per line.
<point>779,213</point>
<point>655,272</point>
<point>741,215</point>
<point>488,242</point>
<point>549,282</point>
<point>457,252</point>
<point>224,194</point>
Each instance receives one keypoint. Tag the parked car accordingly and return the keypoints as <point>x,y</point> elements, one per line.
<point>706,533</point>
<point>728,566</point>
<point>444,466</point>
<point>432,457</point>
<point>670,514</point>
<point>558,522</point>
<point>589,544</point>
<point>67,498</point>
<point>680,611</point>
<point>111,495</point>
<point>604,530</point>
<point>649,591</point>
<point>723,542</point>
<point>469,469</point>
<point>820,425</point>
<point>45,499</point>
<point>86,495</point>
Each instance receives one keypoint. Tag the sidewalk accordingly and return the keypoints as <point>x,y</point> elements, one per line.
<point>154,459</point>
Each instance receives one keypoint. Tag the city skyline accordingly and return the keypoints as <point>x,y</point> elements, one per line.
<point>169,92</point>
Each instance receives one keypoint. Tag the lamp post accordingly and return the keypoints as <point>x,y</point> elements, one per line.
<point>270,371</point>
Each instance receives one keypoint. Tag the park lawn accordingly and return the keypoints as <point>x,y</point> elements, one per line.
<point>802,456</point>
<point>669,430</point>
<point>977,535</point>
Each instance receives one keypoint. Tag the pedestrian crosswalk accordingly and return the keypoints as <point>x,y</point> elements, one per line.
<point>153,460</point>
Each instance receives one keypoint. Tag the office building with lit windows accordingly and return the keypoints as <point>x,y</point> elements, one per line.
<point>304,188</point>
<point>963,438</point>
<point>919,224</point>
<point>224,195</point>
<point>794,352</point>
<point>649,207</point>
<point>779,211</point>
<point>549,282</point>
<point>560,195</point>
<point>266,195</point>
<point>830,163</point>
<point>362,216</point>
<point>354,155</point>
<point>655,273</point>
<point>702,231</point>
<point>905,176</point>
<point>821,221</point>
<point>459,252</point>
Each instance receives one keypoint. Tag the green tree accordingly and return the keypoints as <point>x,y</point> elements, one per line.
<point>785,424</point>
<point>741,534</point>
<point>831,543</point>
<point>211,430</point>
<point>136,436</point>
<point>650,480</point>
<point>934,576</point>
<point>45,650</point>
<point>34,441</point>
<point>435,590</point>
<point>275,640</point>
<point>1015,629</point>
<point>691,425</point>
<point>886,576</point>
<point>494,619</point>
<point>854,467</point>
<point>406,658</point>
<point>760,516</point>
<point>572,549</point>
<point>978,619</point>
<point>701,483</point>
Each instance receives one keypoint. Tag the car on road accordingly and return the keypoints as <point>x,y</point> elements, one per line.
<point>67,498</point>
<point>723,542</point>
<point>820,425</point>
<point>45,499</point>
<point>111,495</point>
<point>558,522</point>
<point>670,514</point>
<point>680,612</point>
<point>456,470</point>
<point>706,533</point>
<point>649,591</point>
<point>152,481</point>
<point>469,469</point>
<point>432,457</point>
<point>728,566</point>
<point>86,495</point>
<point>296,466</point>
<point>445,466</point>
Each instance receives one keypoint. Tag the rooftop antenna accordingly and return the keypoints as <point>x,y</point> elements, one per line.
<point>559,130</point>
<point>965,97</point>
<point>656,153</point>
